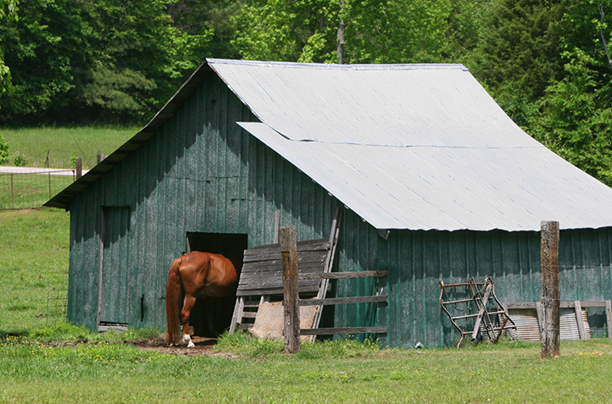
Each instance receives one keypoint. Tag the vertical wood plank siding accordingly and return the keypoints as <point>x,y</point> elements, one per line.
<point>416,260</point>
<point>202,173</point>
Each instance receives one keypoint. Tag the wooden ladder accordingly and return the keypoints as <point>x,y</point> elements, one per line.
<point>261,275</point>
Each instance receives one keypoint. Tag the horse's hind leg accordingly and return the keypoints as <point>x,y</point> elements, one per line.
<point>210,315</point>
<point>185,314</point>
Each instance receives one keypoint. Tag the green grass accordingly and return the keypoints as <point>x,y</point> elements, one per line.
<point>112,372</point>
<point>21,191</point>
<point>91,368</point>
<point>64,144</point>
<point>34,253</point>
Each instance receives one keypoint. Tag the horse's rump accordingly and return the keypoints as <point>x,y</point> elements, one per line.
<point>191,275</point>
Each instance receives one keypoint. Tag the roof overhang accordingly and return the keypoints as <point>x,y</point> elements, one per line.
<point>63,199</point>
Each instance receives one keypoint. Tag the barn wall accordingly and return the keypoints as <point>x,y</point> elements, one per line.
<point>200,173</point>
<point>416,260</point>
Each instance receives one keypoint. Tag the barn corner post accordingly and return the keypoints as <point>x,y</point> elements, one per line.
<point>78,165</point>
<point>291,329</point>
<point>549,256</point>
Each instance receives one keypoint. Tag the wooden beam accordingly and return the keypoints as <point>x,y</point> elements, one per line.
<point>549,256</point>
<point>563,305</point>
<point>276,226</point>
<point>481,312</point>
<point>288,244</point>
<point>579,320</point>
<point>609,317</point>
<point>344,275</point>
<point>343,300</point>
<point>345,330</point>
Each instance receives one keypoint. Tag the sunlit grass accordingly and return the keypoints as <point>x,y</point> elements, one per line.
<point>34,253</point>
<point>19,191</point>
<point>502,373</point>
<point>64,144</point>
<point>44,361</point>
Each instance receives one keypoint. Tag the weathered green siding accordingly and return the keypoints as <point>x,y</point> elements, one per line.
<point>202,173</point>
<point>416,260</point>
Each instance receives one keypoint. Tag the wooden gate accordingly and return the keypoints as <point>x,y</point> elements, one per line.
<point>261,280</point>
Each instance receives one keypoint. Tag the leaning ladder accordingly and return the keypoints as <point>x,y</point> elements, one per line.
<point>476,297</point>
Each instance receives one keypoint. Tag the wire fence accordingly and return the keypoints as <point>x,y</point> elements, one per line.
<point>57,301</point>
<point>32,188</point>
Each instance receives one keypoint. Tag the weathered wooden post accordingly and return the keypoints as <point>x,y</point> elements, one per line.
<point>78,163</point>
<point>549,258</point>
<point>12,193</point>
<point>291,329</point>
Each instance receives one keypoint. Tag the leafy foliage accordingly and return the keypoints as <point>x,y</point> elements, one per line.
<point>373,31</point>
<point>75,61</point>
<point>518,55</point>
<point>546,62</point>
<point>4,150</point>
<point>576,112</point>
<point>8,12</point>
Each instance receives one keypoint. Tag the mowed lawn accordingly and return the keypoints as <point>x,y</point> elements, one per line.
<point>324,373</point>
<point>91,368</point>
<point>62,145</point>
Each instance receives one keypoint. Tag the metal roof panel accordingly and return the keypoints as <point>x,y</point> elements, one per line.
<point>449,188</point>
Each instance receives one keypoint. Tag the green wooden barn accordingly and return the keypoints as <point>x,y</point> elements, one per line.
<point>436,182</point>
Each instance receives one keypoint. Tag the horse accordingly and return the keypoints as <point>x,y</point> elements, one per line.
<point>191,275</point>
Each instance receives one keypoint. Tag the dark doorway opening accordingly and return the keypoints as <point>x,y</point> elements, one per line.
<point>231,246</point>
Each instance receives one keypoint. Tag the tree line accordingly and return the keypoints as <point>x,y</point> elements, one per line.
<point>547,63</point>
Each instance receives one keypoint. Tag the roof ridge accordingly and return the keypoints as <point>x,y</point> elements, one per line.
<point>331,66</point>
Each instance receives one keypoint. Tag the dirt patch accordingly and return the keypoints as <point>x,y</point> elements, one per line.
<point>203,347</point>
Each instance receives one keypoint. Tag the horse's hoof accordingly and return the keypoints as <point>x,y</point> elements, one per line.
<point>190,345</point>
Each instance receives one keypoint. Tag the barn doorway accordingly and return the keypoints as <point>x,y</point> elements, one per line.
<point>231,246</point>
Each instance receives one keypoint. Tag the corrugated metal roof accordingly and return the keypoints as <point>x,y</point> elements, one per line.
<point>404,146</point>
<point>62,200</point>
<point>413,146</point>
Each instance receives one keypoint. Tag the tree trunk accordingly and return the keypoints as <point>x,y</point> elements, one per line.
<point>340,37</point>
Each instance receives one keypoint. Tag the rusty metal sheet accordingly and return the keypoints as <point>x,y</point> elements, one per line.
<point>527,328</point>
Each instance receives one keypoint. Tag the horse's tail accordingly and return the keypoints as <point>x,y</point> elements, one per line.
<point>174,295</point>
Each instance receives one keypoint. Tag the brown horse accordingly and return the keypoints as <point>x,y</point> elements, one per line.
<point>192,275</point>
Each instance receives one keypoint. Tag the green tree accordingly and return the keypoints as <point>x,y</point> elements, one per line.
<point>213,18</point>
<point>83,61</point>
<point>575,118</point>
<point>348,31</point>
<point>519,53</point>
<point>4,150</point>
<point>465,23</point>
<point>8,12</point>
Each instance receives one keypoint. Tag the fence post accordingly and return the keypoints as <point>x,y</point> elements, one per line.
<point>78,162</point>
<point>288,245</point>
<point>12,194</point>
<point>549,259</point>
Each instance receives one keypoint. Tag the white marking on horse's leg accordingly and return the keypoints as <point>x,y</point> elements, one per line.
<point>188,341</point>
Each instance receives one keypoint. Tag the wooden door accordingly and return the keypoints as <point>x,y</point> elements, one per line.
<point>114,277</point>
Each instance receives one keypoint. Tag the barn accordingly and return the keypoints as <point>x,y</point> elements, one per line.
<point>435,181</point>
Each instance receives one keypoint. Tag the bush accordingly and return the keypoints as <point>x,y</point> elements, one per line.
<point>4,150</point>
<point>20,159</point>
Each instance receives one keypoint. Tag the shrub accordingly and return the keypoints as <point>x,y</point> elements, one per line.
<point>20,159</point>
<point>4,150</point>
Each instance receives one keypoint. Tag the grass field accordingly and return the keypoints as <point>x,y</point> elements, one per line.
<point>334,372</point>
<point>64,144</point>
<point>19,191</point>
<point>34,247</point>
